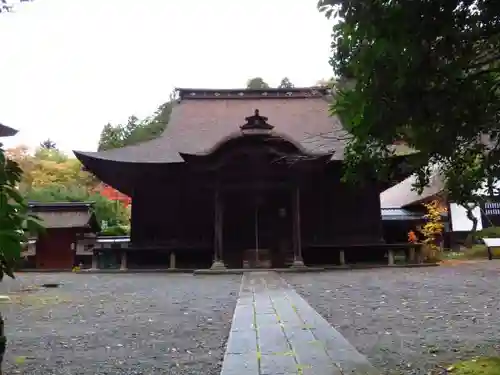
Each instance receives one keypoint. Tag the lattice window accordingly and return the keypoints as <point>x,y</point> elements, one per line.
<point>492,208</point>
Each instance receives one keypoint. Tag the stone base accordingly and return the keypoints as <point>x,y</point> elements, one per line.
<point>298,263</point>
<point>218,265</point>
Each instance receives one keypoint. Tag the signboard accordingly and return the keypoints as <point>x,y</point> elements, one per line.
<point>492,242</point>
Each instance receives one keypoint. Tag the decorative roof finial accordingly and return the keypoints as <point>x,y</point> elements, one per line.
<point>256,123</point>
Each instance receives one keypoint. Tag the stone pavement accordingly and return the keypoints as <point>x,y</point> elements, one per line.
<point>276,332</point>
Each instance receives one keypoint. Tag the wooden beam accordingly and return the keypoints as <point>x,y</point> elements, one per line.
<point>297,232</point>
<point>218,222</point>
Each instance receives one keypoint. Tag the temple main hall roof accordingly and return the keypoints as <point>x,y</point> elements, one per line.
<point>205,117</point>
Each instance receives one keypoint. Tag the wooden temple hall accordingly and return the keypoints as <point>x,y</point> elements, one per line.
<point>244,178</point>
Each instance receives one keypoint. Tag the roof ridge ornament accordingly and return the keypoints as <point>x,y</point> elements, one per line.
<point>256,124</point>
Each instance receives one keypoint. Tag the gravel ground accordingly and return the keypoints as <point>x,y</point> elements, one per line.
<point>410,321</point>
<point>119,324</point>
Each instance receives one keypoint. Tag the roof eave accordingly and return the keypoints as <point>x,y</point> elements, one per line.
<point>6,131</point>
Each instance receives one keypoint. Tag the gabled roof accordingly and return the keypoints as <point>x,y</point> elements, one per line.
<point>59,206</point>
<point>204,117</point>
<point>6,131</point>
<point>65,215</point>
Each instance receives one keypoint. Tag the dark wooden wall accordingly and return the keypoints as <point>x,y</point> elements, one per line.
<point>172,213</point>
<point>179,215</point>
<point>334,212</point>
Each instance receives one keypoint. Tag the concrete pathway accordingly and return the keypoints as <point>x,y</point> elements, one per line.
<point>276,332</point>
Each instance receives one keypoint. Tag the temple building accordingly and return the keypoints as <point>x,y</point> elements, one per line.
<point>244,179</point>
<point>68,238</point>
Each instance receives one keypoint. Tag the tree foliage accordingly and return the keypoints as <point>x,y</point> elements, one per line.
<point>425,72</point>
<point>432,229</point>
<point>330,82</point>
<point>51,176</point>
<point>14,219</point>
<point>114,195</point>
<point>136,130</point>
<point>286,84</point>
<point>49,167</point>
<point>14,216</point>
<point>257,83</point>
<point>48,144</point>
<point>8,5</point>
<point>107,211</point>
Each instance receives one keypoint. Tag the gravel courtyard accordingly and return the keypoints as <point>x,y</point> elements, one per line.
<point>119,324</point>
<point>408,321</point>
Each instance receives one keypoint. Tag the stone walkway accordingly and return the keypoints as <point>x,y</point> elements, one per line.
<point>276,332</point>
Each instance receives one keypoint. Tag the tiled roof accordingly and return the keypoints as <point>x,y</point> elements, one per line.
<point>403,194</point>
<point>65,214</point>
<point>399,214</point>
<point>60,219</point>
<point>205,117</point>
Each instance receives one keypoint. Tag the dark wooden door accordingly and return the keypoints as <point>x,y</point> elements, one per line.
<point>275,225</point>
<point>53,249</point>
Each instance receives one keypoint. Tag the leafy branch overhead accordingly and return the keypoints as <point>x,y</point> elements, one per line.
<point>423,72</point>
<point>14,216</point>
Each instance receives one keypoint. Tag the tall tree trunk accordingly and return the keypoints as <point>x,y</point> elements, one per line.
<point>472,235</point>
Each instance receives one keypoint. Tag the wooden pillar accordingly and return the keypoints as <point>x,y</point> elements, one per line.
<point>411,255</point>
<point>218,222</point>
<point>342,257</point>
<point>297,235</point>
<point>95,261</point>
<point>123,264</point>
<point>172,260</point>
<point>390,256</point>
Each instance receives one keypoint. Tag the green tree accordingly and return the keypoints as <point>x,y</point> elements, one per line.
<point>50,154</point>
<point>425,72</point>
<point>112,136</point>
<point>257,83</point>
<point>14,219</point>
<point>330,82</point>
<point>286,84</point>
<point>48,144</point>
<point>136,130</point>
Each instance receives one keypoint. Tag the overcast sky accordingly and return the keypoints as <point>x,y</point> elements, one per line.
<point>68,67</point>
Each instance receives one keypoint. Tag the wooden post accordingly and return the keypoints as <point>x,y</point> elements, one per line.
<point>390,255</point>
<point>297,235</point>
<point>123,264</point>
<point>342,257</point>
<point>172,260</point>
<point>411,255</point>
<point>95,263</point>
<point>218,222</point>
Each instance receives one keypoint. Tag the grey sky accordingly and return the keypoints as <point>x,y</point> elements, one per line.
<point>70,66</point>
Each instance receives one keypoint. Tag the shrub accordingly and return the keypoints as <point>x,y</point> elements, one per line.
<point>491,232</point>
<point>116,230</point>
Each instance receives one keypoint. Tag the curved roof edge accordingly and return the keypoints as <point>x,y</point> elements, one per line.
<point>6,131</point>
<point>239,135</point>
<point>116,174</point>
<point>247,93</point>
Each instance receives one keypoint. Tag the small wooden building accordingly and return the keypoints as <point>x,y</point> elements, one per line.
<point>68,239</point>
<point>245,178</point>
